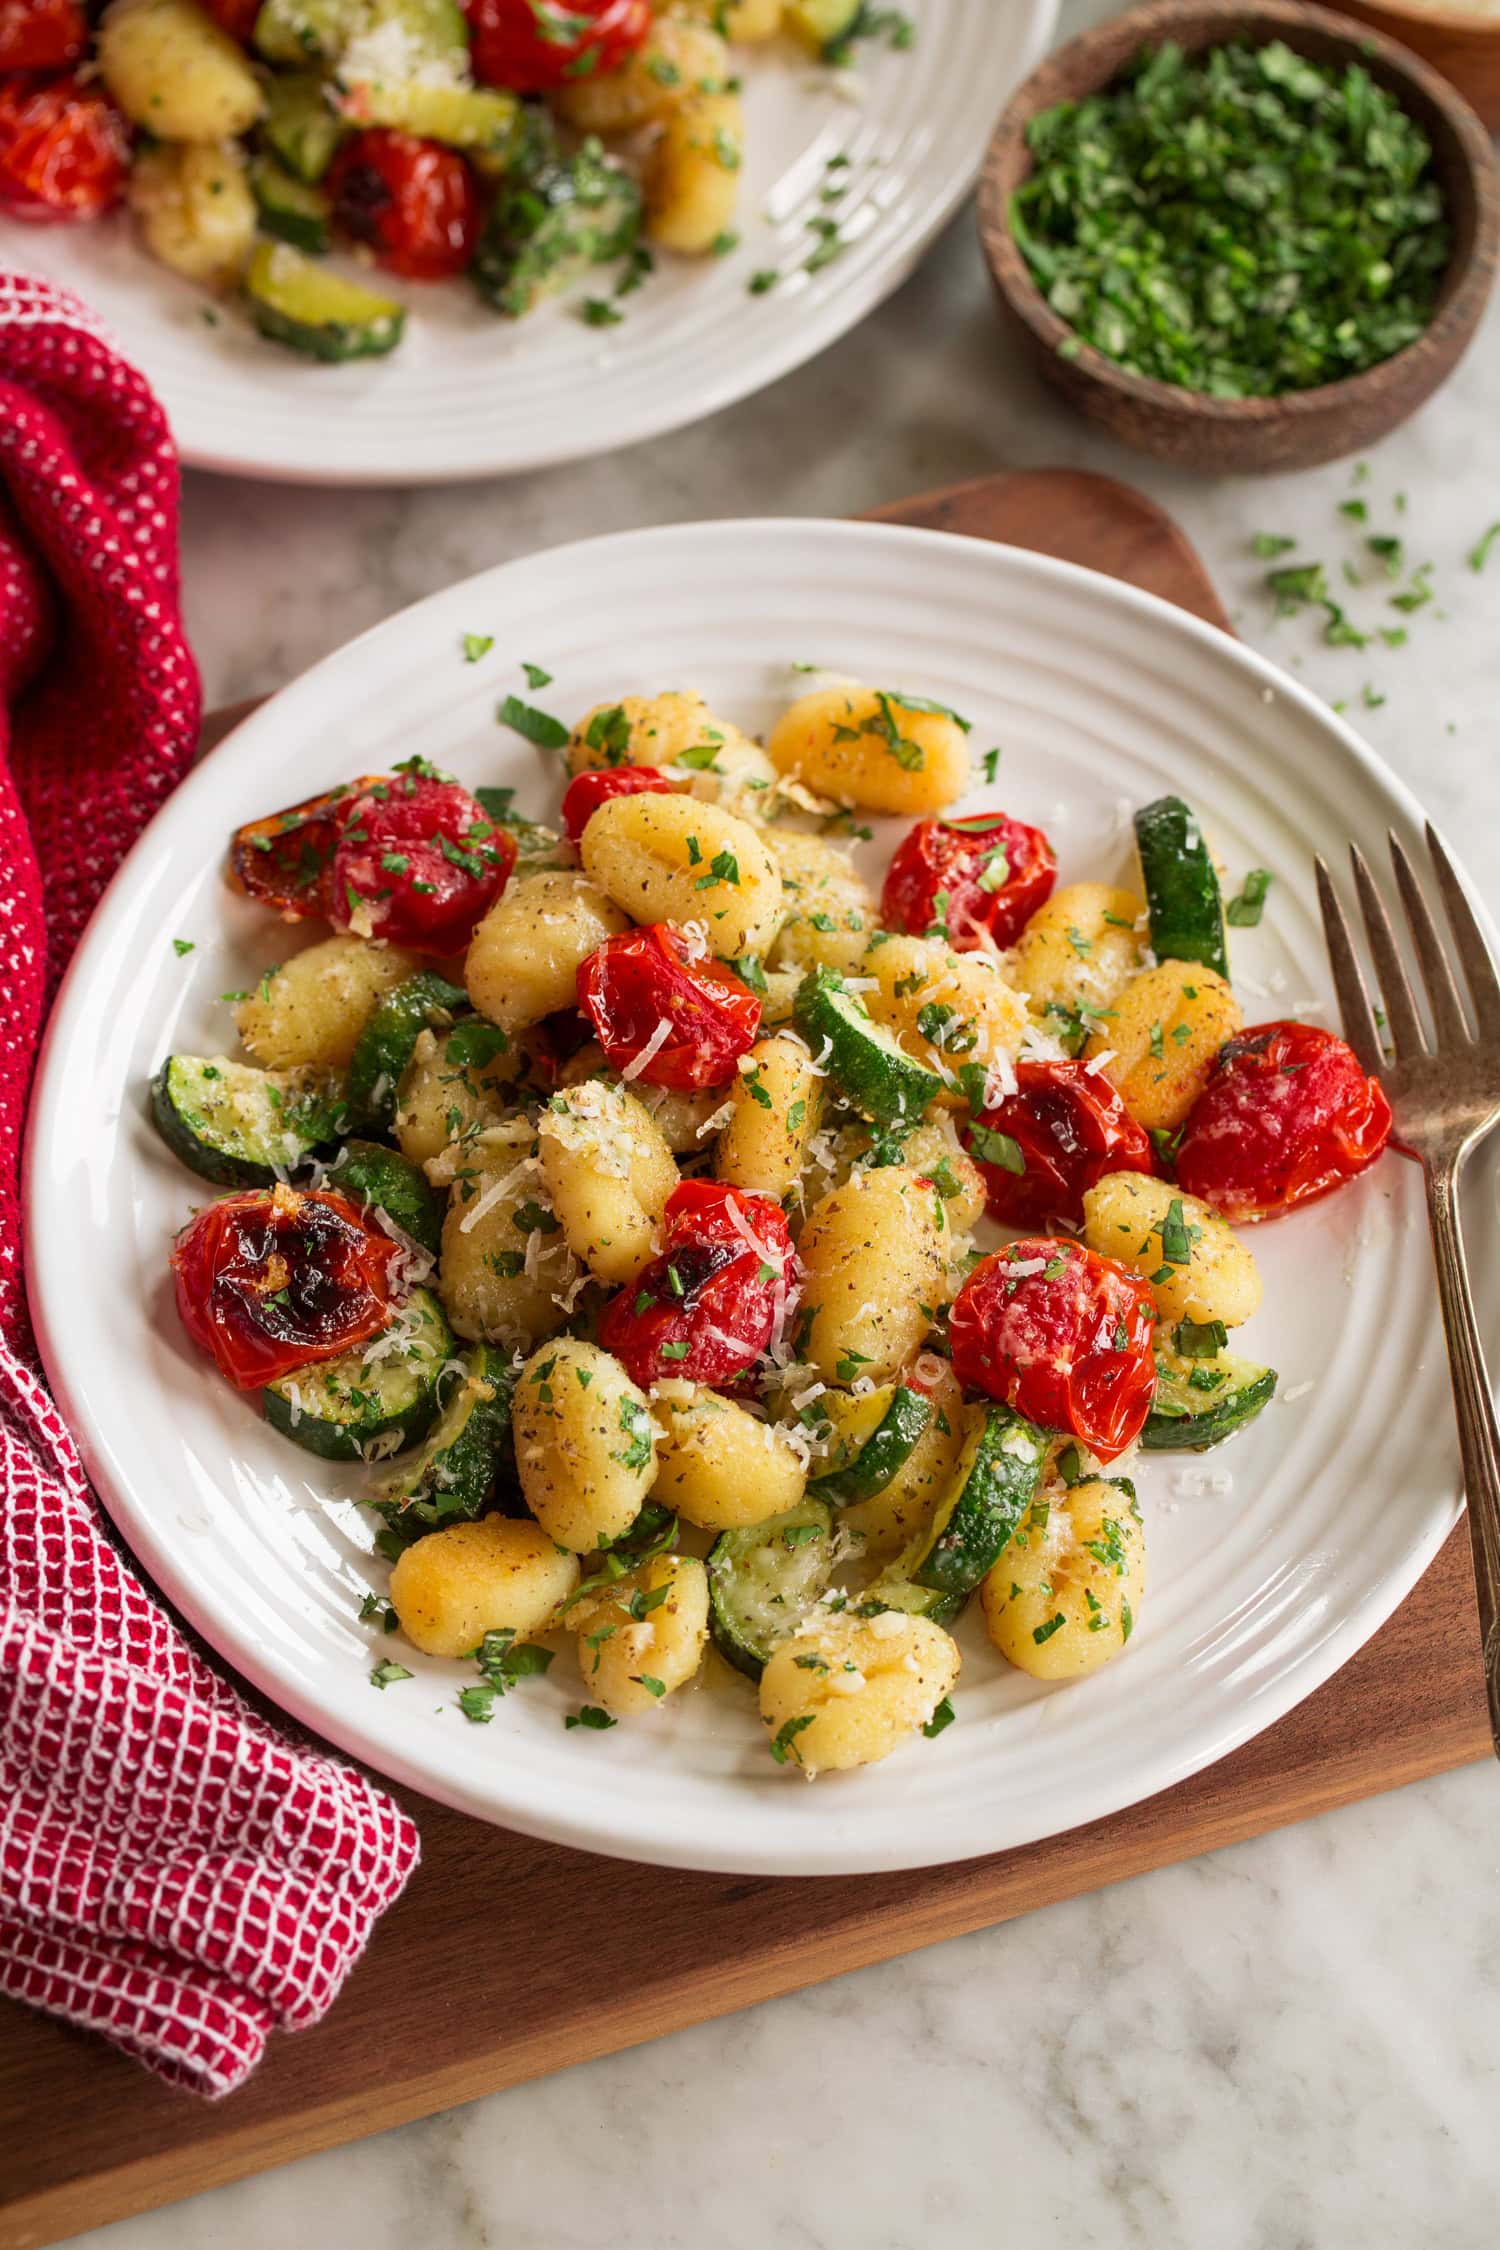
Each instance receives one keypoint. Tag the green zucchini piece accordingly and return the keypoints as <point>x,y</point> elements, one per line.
<point>994,1484</point>
<point>1201,1399</point>
<point>870,1066</point>
<point>476,118</point>
<point>359,1409</point>
<point>293,31</point>
<point>454,1477</point>
<point>311,310</point>
<point>762,1580</point>
<point>241,1127</point>
<point>870,1439</point>
<point>823,23</point>
<point>915,1601</point>
<point>299,127</point>
<point>374,1175</point>
<point>424,1002</point>
<point>554,216</point>
<point>289,209</point>
<point>1183,902</point>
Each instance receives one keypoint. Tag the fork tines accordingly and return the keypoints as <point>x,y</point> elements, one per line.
<point>1451,1024</point>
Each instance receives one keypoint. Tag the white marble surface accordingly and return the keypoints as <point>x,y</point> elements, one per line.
<point>1294,2045</point>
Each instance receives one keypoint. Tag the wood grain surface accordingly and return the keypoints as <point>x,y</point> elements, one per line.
<point>491,1932</point>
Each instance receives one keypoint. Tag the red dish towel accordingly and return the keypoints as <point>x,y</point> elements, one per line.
<point>173,1873</point>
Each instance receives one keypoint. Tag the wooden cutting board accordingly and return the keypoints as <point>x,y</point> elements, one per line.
<point>488,1938</point>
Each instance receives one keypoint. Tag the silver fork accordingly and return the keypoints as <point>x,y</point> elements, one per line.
<point>1445,1095</point>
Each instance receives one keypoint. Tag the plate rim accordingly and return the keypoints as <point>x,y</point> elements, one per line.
<point>152,1551</point>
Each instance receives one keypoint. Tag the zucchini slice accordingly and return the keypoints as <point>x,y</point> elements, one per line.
<point>380,1177</point>
<point>310,310</point>
<point>292,31</point>
<point>453,1478</point>
<point>299,128</point>
<point>288,208</point>
<point>475,118</point>
<point>1202,1397</point>
<point>871,1067</point>
<point>555,215</point>
<point>994,1484</point>
<point>762,1579</point>
<point>1183,901</point>
<point>359,1409</point>
<point>821,24</point>
<point>870,1439</point>
<point>241,1127</point>
<point>424,1002</point>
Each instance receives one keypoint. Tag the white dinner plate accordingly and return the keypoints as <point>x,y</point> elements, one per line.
<point>467,395</point>
<point>1269,1561</point>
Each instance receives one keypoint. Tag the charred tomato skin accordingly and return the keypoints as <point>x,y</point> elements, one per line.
<point>417,861</point>
<point>586,792</point>
<point>530,46</point>
<point>641,979</point>
<point>978,880</point>
<point>413,202</point>
<point>1062,1335</point>
<point>283,860</point>
<point>276,1279</point>
<point>1287,1116</point>
<point>41,34</point>
<point>64,150</point>
<point>706,1308</point>
<point>1069,1127</point>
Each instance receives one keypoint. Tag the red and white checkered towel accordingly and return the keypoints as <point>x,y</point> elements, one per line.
<point>172,1872</point>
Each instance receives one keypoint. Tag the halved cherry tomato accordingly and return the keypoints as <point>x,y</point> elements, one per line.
<point>1288,1115</point>
<point>650,993</point>
<point>275,1279</point>
<point>417,861</point>
<point>284,859</point>
<point>1063,1336</point>
<point>64,150</point>
<point>979,879</point>
<point>586,792</point>
<point>705,1309</point>
<point>529,45</point>
<point>41,34</point>
<point>237,17</point>
<point>413,201</point>
<point>1041,1147</point>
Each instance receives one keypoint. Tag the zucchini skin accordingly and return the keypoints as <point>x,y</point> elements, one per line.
<point>868,1063</point>
<point>469,1451</point>
<point>184,1129</point>
<point>316,312</point>
<point>347,1438</point>
<point>288,207</point>
<point>995,1483</point>
<point>877,1461</point>
<point>1247,1390</point>
<point>729,1561</point>
<point>299,128</point>
<point>374,1174</point>
<point>391,1031</point>
<point>1183,900</point>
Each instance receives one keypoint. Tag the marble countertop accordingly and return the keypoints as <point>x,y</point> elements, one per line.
<point>1293,2045</point>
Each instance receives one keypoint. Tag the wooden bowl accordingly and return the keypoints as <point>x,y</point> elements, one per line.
<point>1300,428</point>
<point>1464,47</point>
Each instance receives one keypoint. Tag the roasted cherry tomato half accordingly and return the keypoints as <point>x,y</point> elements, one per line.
<point>414,202</point>
<point>664,1010</point>
<point>274,1280</point>
<point>529,45</point>
<point>707,1307</point>
<point>237,17</point>
<point>41,34</point>
<point>64,150</point>
<point>980,880</point>
<point>1288,1115</point>
<point>1061,1335</point>
<point>1041,1147</point>
<point>418,861</point>
<point>283,860</point>
<point>588,791</point>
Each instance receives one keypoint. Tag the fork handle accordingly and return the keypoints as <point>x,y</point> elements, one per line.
<point>1478,1433</point>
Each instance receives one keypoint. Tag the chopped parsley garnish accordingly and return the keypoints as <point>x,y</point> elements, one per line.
<point>1244,912</point>
<point>991,1147</point>
<point>598,312</point>
<point>783,1744</point>
<point>1043,1633</point>
<point>477,645</point>
<point>388,1673</point>
<point>536,676</point>
<point>537,726</point>
<point>1479,554</point>
<point>182,945</point>
<point>590,1715</point>
<point>942,1717</point>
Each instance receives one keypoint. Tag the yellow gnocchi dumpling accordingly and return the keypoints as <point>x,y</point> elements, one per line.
<point>643,1637</point>
<point>863,746</point>
<point>1196,1264</point>
<point>1066,1594</point>
<point>846,1691</point>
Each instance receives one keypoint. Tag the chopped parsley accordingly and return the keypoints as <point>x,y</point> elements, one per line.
<point>942,1717</point>
<point>477,645</point>
<point>783,1744</point>
<point>1479,554</point>
<point>182,945</point>
<point>1244,912</point>
<point>537,726</point>
<point>388,1673</point>
<point>590,1715</point>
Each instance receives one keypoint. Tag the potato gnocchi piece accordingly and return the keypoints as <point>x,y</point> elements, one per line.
<point>946,1008</point>
<point>506,1274</point>
<point>193,204</point>
<point>890,1522</point>
<point>170,68</point>
<point>458,1584</point>
<point>524,958</point>
<point>861,746</point>
<point>692,182</point>
<point>718,1466</point>
<point>679,54</point>
<point>1080,950</point>
<point>847,1691</point>
<point>745,22</point>
<point>874,1256</point>
<point>441,1099</point>
<point>670,859</point>
<point>645,730</point>
<point>642,1638</point>
<point>739,777</point>
<point>935,1149</point>
<point>609,1172</point>
<point>1066,1594</point>
<point>312,1008</point>
<point>777,1107</point>
<point>585,1443</point>
<point>1161,1039</point>
<point>831,910</point>
<point>1197,1266</point>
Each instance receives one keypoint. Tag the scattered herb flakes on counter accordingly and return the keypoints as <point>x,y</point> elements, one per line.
<point>1479,554</point>
<point>1242,222</point>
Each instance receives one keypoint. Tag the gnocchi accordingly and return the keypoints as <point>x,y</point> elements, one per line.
<point>1078,952</point>
<point>171,69</point>
<point>196,212</point>
<point>608,1172</point>
<point>846,1691</point>
<point>524,958</point>
<point>670,859</point>
<point>469,1579</point>
<point>830,909</point>
<point>585,1443</point>
<point>717,1466</point>
<point>875,1269</point>
<point>1210,1274</point>
<point>946,1008</point>
<point>1066,1594</point>
<point>776,1105</point>
<point>642,1638</point>
<point>312,1008</point>
<point>507,1273</point>
<point>861,746</point>
<point>1158,1044</point>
